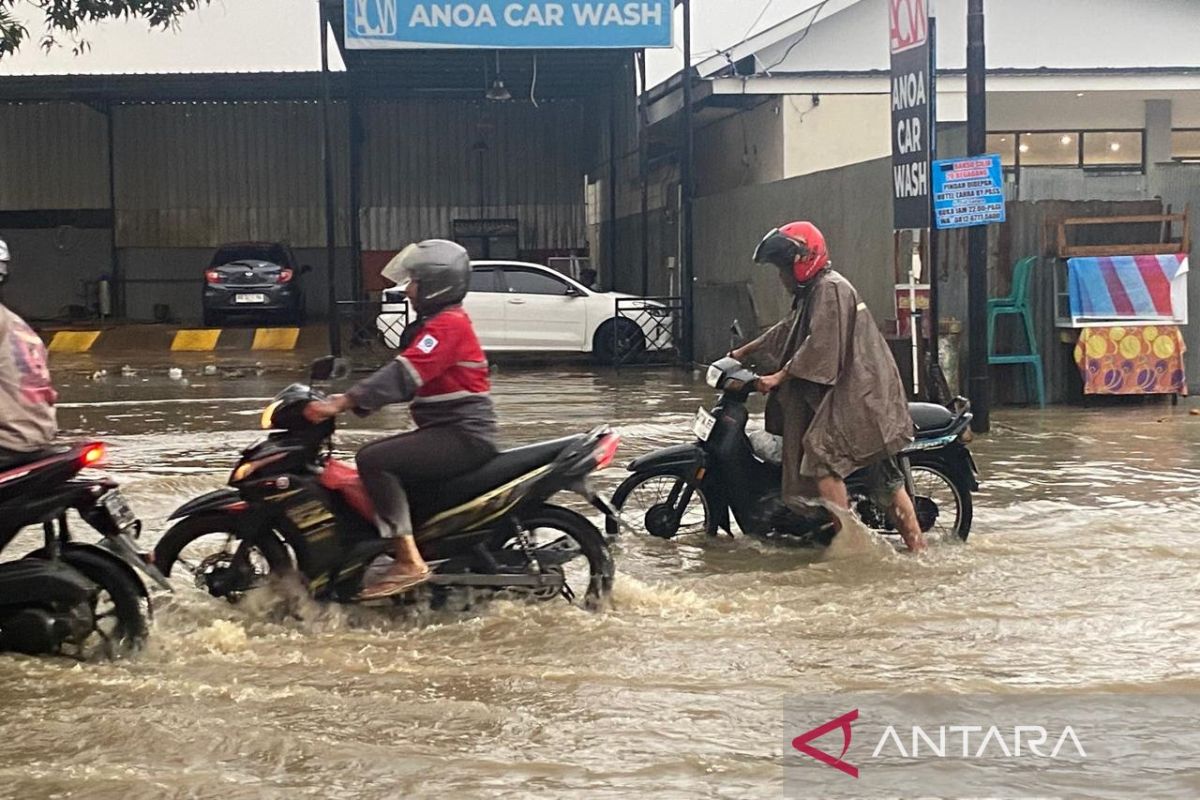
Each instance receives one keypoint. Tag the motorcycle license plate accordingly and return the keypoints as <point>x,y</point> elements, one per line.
<point>703,425</point>
<point>118,510</point>
<point>250,298</point>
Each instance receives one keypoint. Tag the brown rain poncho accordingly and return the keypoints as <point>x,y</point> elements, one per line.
<point>848,409</point>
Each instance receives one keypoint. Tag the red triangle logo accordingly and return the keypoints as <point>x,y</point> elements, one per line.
<point>801,743</point>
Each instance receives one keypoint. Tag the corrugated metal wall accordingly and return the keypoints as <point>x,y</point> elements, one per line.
<point>427,163</point>
<point>197,175</point>
<point>55,156</point>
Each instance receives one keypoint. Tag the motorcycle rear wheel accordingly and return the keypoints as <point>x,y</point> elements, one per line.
<point>121,612</point>
<point>648,496</point>
<point>566,543</point>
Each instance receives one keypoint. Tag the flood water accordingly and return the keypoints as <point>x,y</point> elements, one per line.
<point>1081,573</point>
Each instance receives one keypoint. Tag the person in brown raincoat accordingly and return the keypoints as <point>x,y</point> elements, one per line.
<point>836,395</point>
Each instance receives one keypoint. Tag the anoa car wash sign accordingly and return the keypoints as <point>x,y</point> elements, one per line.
<point>910,112</point>
<point>507,23</point>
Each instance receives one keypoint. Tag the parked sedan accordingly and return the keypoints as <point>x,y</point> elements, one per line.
<point>519,307</point>
<point>253,282</point>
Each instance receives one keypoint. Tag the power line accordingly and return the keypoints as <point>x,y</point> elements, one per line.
<point>816,13</point>
<point>757,20</point>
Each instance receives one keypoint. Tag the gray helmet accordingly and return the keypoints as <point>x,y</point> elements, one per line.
<point>4,259</point>
<point>442,270</point>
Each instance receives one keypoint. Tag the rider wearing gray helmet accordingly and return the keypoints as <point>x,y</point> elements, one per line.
<point>27,397</point>
<point>443,372</point>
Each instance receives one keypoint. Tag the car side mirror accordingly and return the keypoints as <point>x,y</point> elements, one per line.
<point>573,292</point>
<point>328,367</point>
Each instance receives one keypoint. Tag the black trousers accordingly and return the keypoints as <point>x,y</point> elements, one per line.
<point>426,454</point>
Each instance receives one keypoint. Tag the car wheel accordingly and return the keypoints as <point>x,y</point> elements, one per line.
<point>617,341</point>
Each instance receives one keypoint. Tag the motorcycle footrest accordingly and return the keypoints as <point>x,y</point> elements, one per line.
<point>501,581</point>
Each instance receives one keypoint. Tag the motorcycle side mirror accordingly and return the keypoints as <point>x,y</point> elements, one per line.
<point>327,368</point>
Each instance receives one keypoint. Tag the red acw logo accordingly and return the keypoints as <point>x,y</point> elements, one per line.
<point>909,23</point>
<point>801,743</point>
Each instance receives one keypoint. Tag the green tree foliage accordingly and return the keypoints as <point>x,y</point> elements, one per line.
<point>63,18</point>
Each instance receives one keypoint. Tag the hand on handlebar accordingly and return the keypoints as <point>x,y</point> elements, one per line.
<point>768,383</point>
<point>321,410</point>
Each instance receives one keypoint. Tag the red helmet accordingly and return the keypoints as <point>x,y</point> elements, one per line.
<point>798,246</point>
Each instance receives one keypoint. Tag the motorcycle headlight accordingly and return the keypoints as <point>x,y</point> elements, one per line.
<point>714,375</point>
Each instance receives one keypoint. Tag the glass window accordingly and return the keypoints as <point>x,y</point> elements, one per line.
<point>274,253</point>
<point>483,279</point>
<point>1006,145</point>
<point>1112,148</point>
<point>525,281</point>
<point>1056,149</point>
<point>1185,145</point>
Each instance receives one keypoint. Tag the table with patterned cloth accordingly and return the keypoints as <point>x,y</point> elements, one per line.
<point>1145,359</point>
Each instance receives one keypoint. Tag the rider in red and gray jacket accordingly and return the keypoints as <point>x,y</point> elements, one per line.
<point>443,372</point>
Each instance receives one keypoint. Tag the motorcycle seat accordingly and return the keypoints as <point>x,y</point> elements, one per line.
<point>508,465</point>
<point>930,419</point>
<point>431,498</point>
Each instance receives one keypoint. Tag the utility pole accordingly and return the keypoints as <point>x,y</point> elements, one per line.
<point>687,272</point>
<point>977,283</point>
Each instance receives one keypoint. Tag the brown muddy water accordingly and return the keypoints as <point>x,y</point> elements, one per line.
<point>1082,574</point>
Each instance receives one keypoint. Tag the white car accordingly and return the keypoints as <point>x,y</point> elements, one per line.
<point>519,307</point>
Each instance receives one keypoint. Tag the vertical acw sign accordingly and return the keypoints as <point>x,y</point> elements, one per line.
<point>910,112</point>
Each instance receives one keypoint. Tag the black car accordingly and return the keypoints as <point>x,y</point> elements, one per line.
<point>253,282</point>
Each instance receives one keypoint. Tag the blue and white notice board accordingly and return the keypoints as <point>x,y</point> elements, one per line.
<point>968,191</point>
<point>490,24</point>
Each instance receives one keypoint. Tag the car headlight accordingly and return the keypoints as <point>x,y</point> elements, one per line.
<point>714,375</point>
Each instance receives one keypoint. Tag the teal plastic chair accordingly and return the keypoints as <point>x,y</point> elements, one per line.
<point>1017,303</point>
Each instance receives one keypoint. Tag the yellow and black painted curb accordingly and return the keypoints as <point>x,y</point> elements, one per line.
<point>149,338</point>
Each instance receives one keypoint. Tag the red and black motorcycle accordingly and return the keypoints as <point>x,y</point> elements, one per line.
<point>290,506</point>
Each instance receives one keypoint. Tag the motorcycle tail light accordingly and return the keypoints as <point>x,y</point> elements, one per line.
<point>606,450</point>
<point>92,455</point>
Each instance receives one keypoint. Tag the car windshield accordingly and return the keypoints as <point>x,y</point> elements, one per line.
<point>274,253</point>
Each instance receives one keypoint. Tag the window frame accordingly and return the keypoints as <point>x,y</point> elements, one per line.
<point>1183,159</point>
<point>569,288</point>
<point>1078,133</point>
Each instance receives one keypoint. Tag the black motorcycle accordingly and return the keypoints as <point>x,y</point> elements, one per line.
<point>692,488</point>
<point>68,597</point>
<point>290,505</point>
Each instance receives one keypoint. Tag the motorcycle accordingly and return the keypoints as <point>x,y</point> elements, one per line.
<point>290,506</point>
<point>68,597</point>
<point>692,488</point>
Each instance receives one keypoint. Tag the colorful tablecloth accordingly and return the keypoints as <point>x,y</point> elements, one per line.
<point>1131,360</point>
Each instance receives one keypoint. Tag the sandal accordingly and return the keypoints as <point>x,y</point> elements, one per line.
<point>392,585</point>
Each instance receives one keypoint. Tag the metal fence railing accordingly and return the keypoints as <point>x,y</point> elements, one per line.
<point>646,330</point>
<point>369,331</point>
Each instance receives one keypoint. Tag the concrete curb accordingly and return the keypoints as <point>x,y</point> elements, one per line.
<point>158,338</point>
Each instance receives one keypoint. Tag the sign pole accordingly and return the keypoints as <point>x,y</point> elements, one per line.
<point>687,272</point>
<point>939,390</point>
<point>335,331</point>
<point>977,284</point>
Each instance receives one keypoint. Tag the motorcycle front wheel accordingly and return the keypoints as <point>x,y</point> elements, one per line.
<point>663,504</point>
<point>217,558</point>
<point>943,505</point>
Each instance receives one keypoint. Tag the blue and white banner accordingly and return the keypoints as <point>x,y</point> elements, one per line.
<point>398,24</point>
